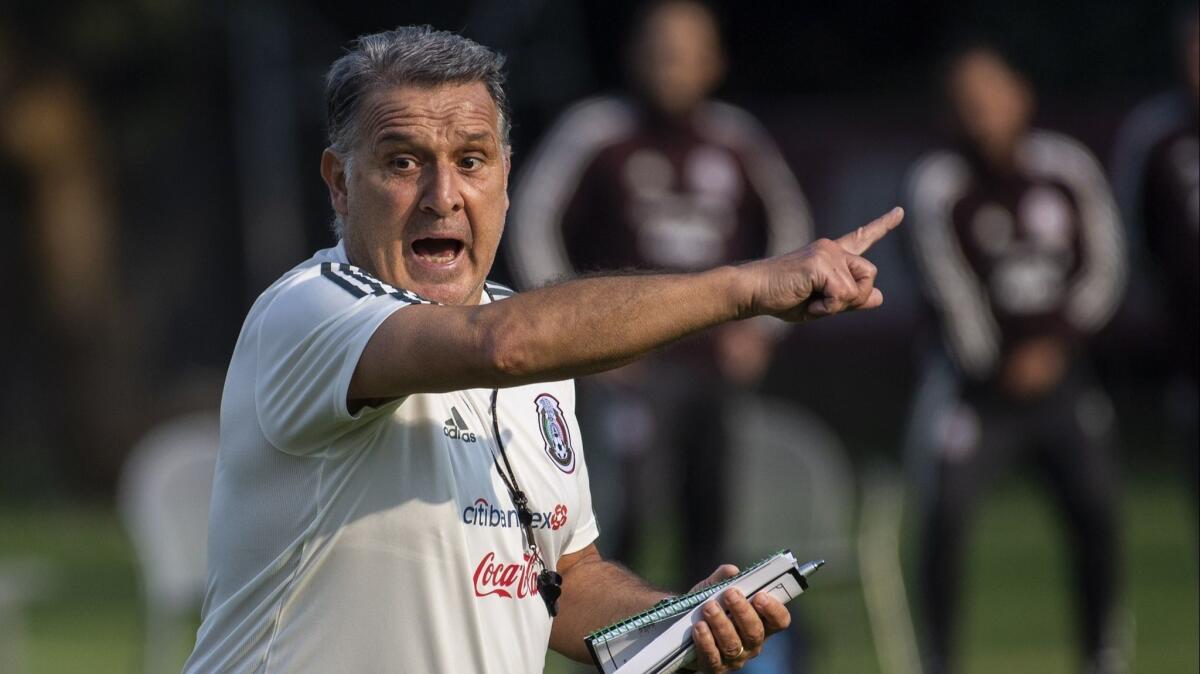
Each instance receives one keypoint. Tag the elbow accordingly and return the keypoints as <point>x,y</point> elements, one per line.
<point>508,358</point>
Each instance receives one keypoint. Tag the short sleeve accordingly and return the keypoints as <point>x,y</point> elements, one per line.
<point>310,339</point>
<point>586,531</point>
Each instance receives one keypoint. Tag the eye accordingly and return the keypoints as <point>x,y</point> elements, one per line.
<point>402,163</point>
<point>470,163</point>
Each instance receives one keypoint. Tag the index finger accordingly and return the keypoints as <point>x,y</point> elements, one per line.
<point>864,237</point>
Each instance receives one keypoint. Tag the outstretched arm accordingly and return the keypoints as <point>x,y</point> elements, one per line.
<point>594,324</point>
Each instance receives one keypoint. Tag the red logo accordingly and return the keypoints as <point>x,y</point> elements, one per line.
<point>559,517</point>
<point>505,580</point>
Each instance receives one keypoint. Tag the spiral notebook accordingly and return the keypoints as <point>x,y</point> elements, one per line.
<point>660,638</point>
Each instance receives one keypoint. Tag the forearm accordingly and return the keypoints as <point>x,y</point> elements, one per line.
<point>596,593</point>
<point>559,332</point>
<point>594,324</point>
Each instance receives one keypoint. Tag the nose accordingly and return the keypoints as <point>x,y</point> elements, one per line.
<point>440,195</point>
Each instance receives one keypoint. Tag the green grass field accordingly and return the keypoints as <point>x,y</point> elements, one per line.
<point>1018,614</point>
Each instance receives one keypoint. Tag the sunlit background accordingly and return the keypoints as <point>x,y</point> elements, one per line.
<point>158,169</point>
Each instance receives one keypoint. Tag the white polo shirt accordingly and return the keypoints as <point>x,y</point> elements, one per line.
<point>380,541</point>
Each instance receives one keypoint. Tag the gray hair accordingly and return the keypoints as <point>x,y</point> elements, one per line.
<point>408,55</point>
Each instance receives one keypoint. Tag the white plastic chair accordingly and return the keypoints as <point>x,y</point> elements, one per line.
<point>23,582</point>
<point>797,488</point>
<point>165,489</point>
<point>796,485</point>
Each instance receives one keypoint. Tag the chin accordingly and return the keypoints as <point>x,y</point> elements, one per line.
<point>449,291</point>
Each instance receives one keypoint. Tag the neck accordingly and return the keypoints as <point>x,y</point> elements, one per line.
<point>1002,157</point>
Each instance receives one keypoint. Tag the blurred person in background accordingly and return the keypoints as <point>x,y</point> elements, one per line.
<point>1019,244</point>
<point>662,178</point>
<point>1158,164</point>
<point>66,366</point>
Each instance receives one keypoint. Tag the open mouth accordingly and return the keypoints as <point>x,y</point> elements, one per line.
<point>437,251</point>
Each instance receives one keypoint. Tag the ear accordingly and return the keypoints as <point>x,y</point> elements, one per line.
<point>333,172</point>
<point>507,170</point>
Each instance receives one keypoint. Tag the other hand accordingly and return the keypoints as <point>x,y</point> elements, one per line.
<point>1034,367</point>
<point>743,351</point>
<point>734,629</point>
<point>821,279</point>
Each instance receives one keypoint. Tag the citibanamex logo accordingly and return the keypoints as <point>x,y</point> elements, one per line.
<point>505,580</point>
<point>559,517</point>
<point>483,514</point>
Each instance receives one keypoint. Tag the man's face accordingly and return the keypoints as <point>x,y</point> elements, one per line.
<point>677,58</point>
<point>993,103</point>
<point>425,200</point>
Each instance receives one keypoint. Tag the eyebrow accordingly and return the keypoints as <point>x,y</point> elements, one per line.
<point>395,137</point>
<point>484,137</point>
<point>475,136</point>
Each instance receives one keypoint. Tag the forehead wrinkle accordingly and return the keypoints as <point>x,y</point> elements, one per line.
<point>415,116</point>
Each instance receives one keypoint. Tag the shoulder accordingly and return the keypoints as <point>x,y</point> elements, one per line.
<point>1150,122</point>
<point>935,175</point>
<point>599,109</point>
<point>1174,148</point>
<point>319,290</point>
<point>585,130</point>
<point>1058,154</point>
<point>360,284</point>
<point>731,125</point>
<point>594,121</point>
<point>498,291</point>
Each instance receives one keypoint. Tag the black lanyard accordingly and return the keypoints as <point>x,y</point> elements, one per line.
<point>549,582</point>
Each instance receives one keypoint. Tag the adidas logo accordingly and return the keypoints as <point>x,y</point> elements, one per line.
<point>456,428</point>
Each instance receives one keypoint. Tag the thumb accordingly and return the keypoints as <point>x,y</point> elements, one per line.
<point>723,572</point>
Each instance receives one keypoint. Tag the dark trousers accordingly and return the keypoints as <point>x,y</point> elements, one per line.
<point>659,442</point>
<point>975,436</point>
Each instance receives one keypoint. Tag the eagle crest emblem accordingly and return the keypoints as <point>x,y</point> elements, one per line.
<point>555,434</point>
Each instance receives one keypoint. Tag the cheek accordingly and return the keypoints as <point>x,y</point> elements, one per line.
<point>487,207</point>
<point>384,199</point>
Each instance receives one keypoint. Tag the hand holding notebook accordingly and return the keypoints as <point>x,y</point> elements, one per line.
<point>660,638</point>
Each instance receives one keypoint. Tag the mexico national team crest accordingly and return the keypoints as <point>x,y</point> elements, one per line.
<point>555,433</point>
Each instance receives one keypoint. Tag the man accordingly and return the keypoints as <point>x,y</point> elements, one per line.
<point>70,376</point>
<point>1158,163</point>
<point>400,469</point>
<point>662,179</point>
<point>1019,243</point>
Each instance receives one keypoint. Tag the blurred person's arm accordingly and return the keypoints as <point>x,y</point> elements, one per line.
<point>49,128</point>
<point>744,349</point>
<point>593,324</point>
<point>971,333</point>
<point>535,240</point>
<point>1147,124</point>
<point>1098,284</point>
<point>788,220</point>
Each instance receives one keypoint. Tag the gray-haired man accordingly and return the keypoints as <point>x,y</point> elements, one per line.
<point>391,419</point>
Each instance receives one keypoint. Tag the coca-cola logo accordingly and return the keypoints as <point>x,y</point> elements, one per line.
<point>506,580</point>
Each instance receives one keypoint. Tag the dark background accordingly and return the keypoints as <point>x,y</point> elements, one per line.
<point>212,124</point>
